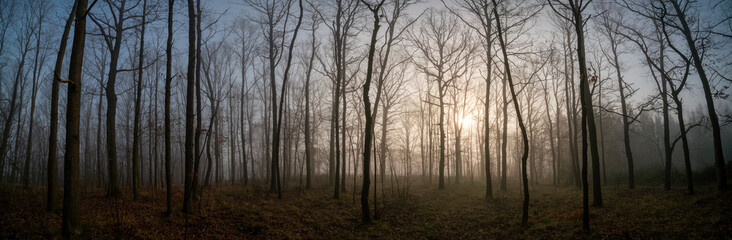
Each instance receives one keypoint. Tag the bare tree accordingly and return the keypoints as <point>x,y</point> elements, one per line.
<point>481,10</point>
<point>369,131</point>
<point>576,7</point>
<point>112,32</point>
<point>443,47</point>
<point>609,25</point>
<point>41,10</point>
<point>273,16</point>
<point>24,36</point>
<point>681,10</point>
<point>190,85</point>
<point>52,170</point>
<point>70,220</point>
<point>507,71</point>
<point>138,98</point>
<point>248,41</point>
<point>314,44</point>
<point>168,83</point>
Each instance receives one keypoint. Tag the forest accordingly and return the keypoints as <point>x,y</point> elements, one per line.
<point>365,119</point>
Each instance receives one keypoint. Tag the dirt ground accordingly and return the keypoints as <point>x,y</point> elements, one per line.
<point>237,212</point>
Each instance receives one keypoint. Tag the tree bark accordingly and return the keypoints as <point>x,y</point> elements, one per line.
<point>525,215</point>
<point>168,83</point>
<point>52,172</point>
<point>369,131</point>
<point>716,132</point>
<point>34,91</point>
<point>190,152</point>
<point>138,99</point>
<point>70,219</point>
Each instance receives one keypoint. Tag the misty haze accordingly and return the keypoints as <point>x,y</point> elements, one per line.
<point>365,119</point>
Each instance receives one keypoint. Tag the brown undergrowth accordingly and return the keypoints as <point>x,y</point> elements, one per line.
<point>460,212</point>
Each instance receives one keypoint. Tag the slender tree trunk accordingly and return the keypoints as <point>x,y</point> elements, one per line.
<point>587,108</point>
<point>684,144</point>
<point>369,131</point>
<point>277,116</point>
<point>486,137</point>
<point>14,108</point>
<point>716,132</point>
<point>232,142</point>
<point>308,131</point>
<point>34,90</point>
<point>138,99</point>
<point>551,135</point>
<point>504,145</point>
<point>168,83</point>
<point>99,143</point>
<point>343,140</point>
<point>624,112</point>
<point>667,149</point>
<point>442,135</point>
<point>244,62</point>
<point>525,215</point>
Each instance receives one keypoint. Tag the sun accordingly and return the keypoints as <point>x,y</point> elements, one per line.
<point>467,121</point>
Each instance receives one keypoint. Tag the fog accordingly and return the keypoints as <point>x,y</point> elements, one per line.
<point>553,109</point>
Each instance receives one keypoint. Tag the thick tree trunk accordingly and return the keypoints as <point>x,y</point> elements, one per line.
<point>190,152</point>
<point>70,219</point>
<point>52,171</point>
<point>198,149</point>
<point>111,95</point>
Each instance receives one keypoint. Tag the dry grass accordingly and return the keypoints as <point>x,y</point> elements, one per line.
<point>235,212</point>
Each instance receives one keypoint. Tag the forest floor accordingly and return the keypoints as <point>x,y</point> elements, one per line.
<point>236,212</point>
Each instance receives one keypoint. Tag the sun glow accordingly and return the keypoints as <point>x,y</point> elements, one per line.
<point>467,121</point>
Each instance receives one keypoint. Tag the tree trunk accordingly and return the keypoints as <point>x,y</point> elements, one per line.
<point>369,131</point>
<point>486,138</point>
<point>52,171</point>
<point>716,132</point>
<point>624,112</point>
<point>308,131</point>
<point>525,215</point>
<point>70,219</point>
<point>138,99</point>
<point>668,151</point>
<point>190,152</point>
<point>34,91</point>
<point>587,109</point>
<point>504,145</point>
<point>343,139</point>
<point>168,83</point>
<point>684,144</point>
